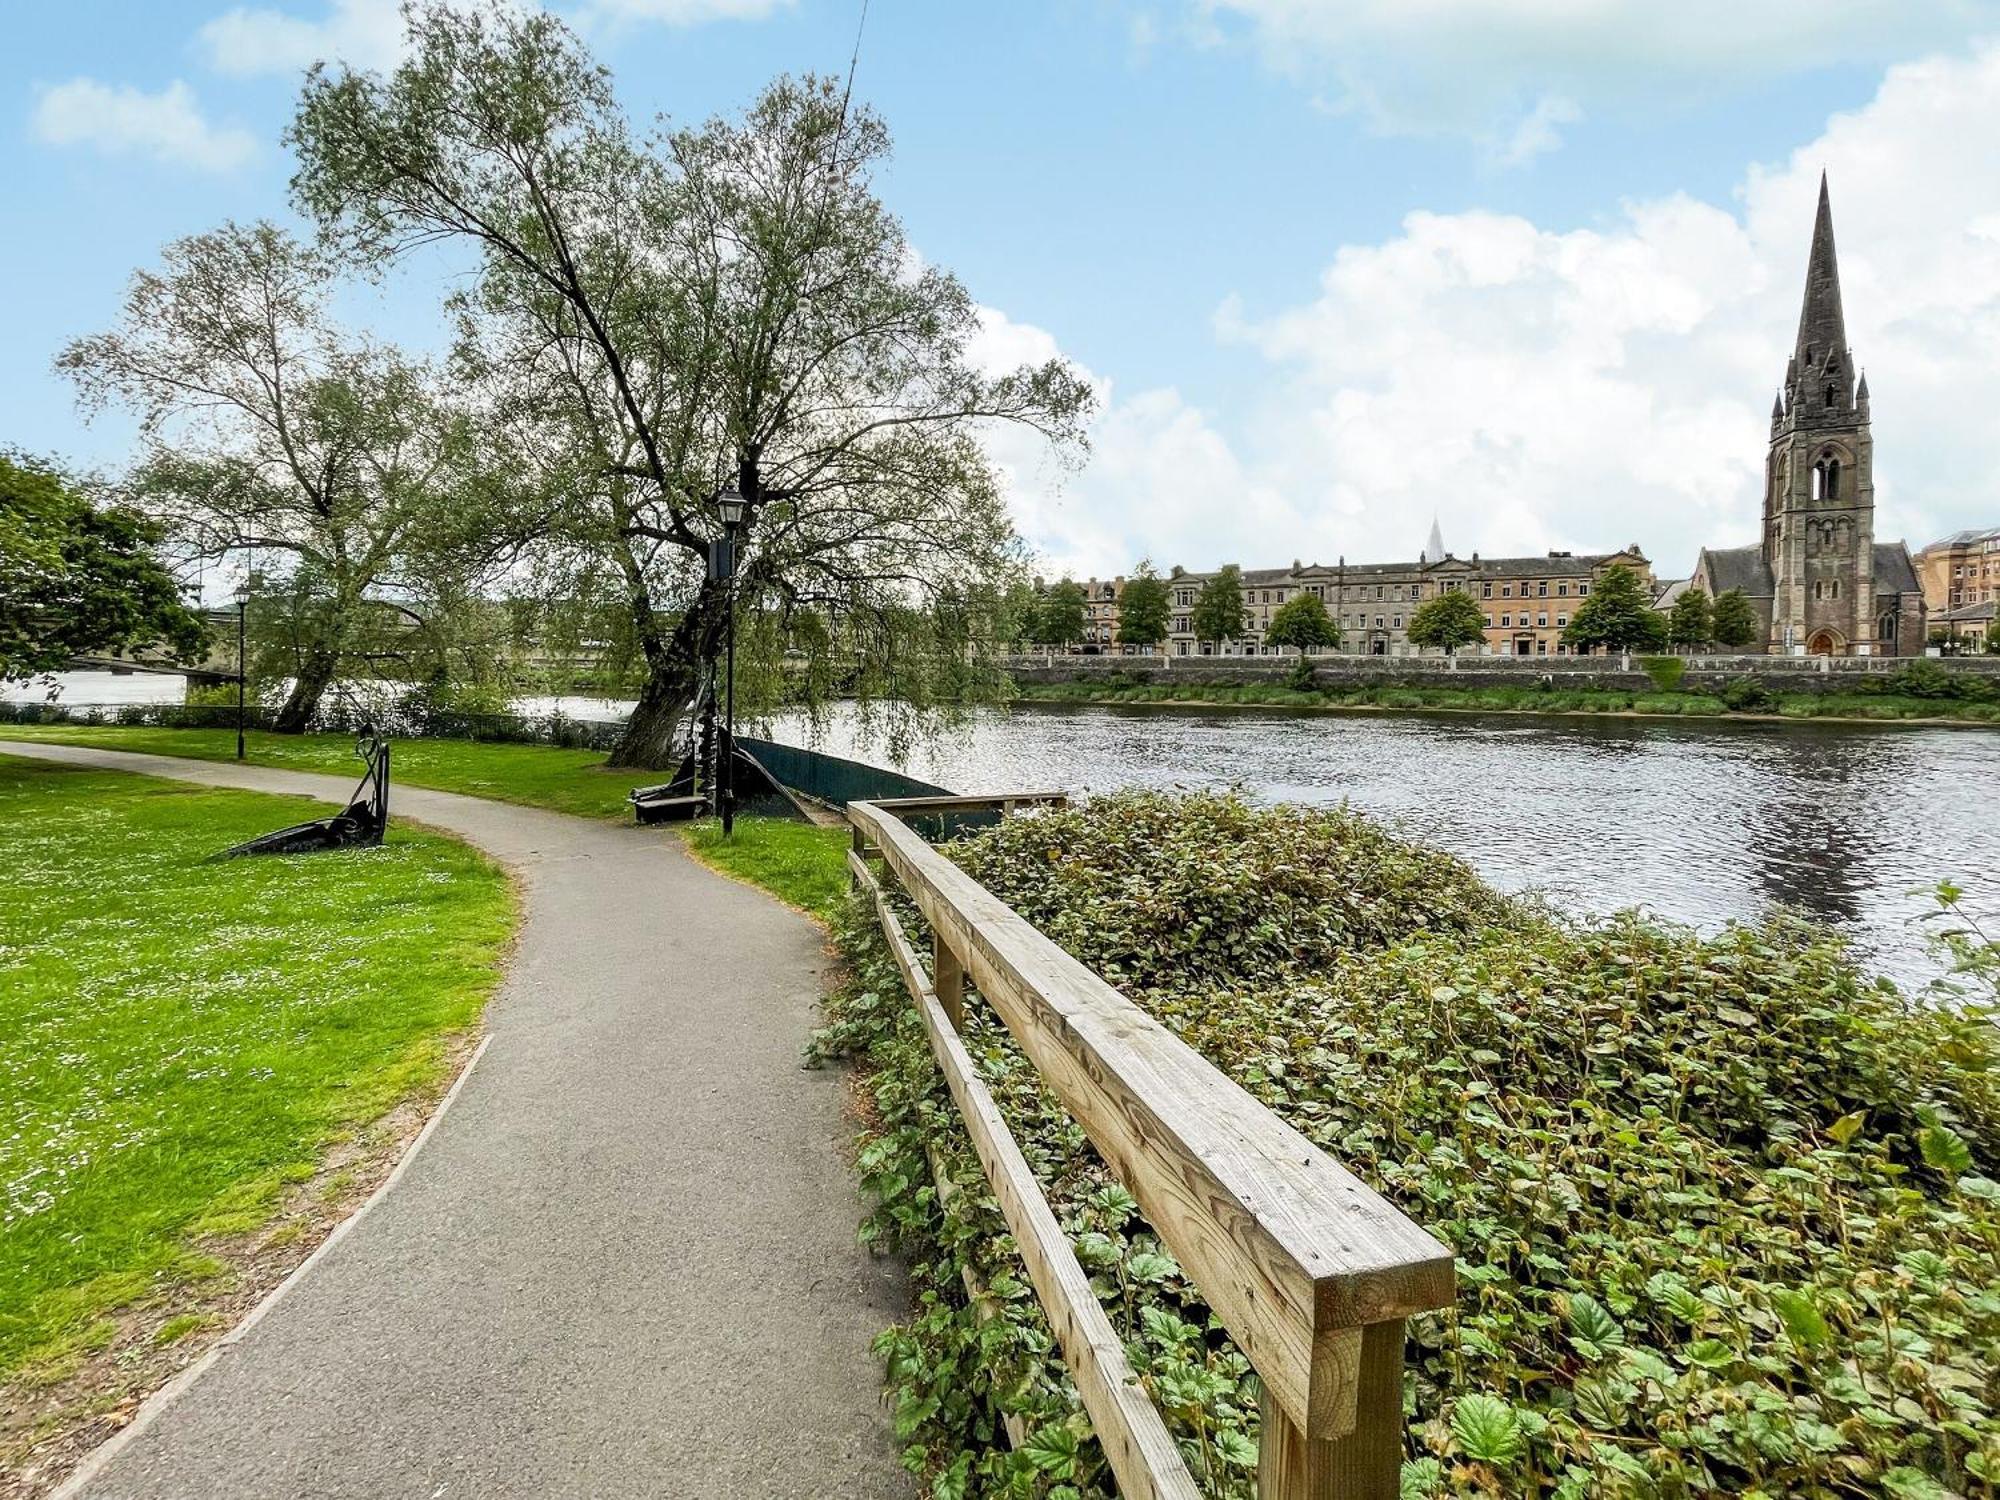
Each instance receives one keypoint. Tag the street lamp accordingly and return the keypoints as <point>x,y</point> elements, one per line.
<point>731,508</point>
<point>242,615</point>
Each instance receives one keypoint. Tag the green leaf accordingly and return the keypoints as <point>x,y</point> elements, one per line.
<point>1593,1330</point>
<point>1486,1429</point>
<point>1236,1449</point>
<point>1147,1266</point>
<point>1801,1318</point>
<point>1905,1483</point>
<point>1710,1354</point>
<point>1421,1479</point>
<point>1944,1150</point>
<point>1847,1127</point>
<point>1053,1450</point>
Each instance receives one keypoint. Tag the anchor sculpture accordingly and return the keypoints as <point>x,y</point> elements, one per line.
<point>361,825</point>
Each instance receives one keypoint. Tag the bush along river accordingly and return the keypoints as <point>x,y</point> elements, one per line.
<point>1698,822</point>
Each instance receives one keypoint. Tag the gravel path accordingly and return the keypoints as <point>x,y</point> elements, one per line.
<point>625,1262</point>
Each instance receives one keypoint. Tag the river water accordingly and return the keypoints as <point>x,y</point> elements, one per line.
<point>1699,821</point>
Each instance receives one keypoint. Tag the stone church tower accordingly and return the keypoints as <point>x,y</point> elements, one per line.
<point>1819,482</point>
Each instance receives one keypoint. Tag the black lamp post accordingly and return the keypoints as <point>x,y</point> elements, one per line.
<point>242,666</point>
<point>731,508</point>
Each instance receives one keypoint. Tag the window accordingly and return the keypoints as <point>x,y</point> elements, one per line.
<point>1542,619</point>
<point>1506,622</point>
<point>1489,622</point>
<point>1562,620</point>
<point>1506,591</point>
<point>1562,590</point>
<point>1399,622</point>
<point>1582,589</point>
<point>1542,589</point>
<point>1378,622</point>
<point>1486,589</point>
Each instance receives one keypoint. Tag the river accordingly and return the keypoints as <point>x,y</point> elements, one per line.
<point>1700,821</point>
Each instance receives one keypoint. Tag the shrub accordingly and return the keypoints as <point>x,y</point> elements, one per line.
<point>1724,1206</point>
<point>1743,695</point>
<point>1666,671</point>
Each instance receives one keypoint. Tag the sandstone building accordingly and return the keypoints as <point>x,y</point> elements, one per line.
<point>1820,582</point>
<point>1961,582</point>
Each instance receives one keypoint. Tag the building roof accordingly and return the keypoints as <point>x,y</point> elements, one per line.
<point>1894,572</point>
<point>1822,328</point>
<point>1966,538</point>
<point>1669,593</point>
<point>1967,614</point>
<point>1739,568</point>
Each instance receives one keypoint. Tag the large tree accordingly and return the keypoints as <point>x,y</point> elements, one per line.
<point>78,578</point>
<point>1691,622</point>
<point>725,305</point>
<point>1219,614</point>
<point>1617,615</point>
<point>1732,620</point>
<point>331,464</point>
<point>1143,608</point>
<point>1059,615</point>
<point>1451,620</point>
<point>1302,621</point>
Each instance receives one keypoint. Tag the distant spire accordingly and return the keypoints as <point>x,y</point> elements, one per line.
<point>1861,392</point>
<point>1822,328</point>
<point>1434,548</point>
<point>1777,406</point>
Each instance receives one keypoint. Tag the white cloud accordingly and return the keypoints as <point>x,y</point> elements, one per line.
<point>120,120</point>
<point>685,12</point>
<point>1535,133</point>
<point>1463,65</point>
<point>1586,388</point>
<point>248,40</point>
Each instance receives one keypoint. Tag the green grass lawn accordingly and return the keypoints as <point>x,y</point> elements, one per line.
<point>801,864</point>
<point>571,781</point>
<point>180,1038</point>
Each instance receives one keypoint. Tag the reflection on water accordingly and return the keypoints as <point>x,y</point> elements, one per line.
<point>1700,822</point>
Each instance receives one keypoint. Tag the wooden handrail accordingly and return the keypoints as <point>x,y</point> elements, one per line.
<point>1312,1271</point>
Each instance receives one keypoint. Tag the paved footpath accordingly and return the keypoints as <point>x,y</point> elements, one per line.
<point>625,1262</point>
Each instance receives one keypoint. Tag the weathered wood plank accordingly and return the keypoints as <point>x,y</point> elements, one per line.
<point>903,807</point>
<point>948,980</point>
<point>1129,1427</point>
<point>1295,1253</point>
<point>1367,1464</point>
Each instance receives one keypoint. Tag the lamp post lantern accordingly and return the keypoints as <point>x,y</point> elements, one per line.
<point>242,665</point>
<point>731,508</point>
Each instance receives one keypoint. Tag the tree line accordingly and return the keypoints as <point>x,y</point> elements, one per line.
<point>647,320</point>
<point>1618,616</point>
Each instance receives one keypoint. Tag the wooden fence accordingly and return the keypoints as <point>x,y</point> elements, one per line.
<point>1312,1272</point>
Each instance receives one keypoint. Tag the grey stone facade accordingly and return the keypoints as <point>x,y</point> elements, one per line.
<point>1819,581</point>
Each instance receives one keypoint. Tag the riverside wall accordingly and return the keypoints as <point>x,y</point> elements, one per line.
<point>1703,674</point>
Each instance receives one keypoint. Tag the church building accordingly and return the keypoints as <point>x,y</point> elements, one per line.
<point>1818,580</point>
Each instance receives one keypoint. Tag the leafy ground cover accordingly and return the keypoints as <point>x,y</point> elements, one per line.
<point>183,1042</point>
<point>802,864</point>
<point>1724,1206</point>
<point>1883,706</point>
<point>571,781</point>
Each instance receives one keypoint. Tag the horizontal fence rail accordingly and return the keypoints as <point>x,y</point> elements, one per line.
<point>1312,1272</point>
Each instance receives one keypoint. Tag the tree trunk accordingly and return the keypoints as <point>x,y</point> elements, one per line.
<point>674,667</point>
<point>315,675</point>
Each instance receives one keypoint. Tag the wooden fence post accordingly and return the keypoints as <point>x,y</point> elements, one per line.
<point>1365,1464</point>
<point>948,981</point>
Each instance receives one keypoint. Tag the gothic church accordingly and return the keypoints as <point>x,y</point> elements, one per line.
<point>1818,580</point>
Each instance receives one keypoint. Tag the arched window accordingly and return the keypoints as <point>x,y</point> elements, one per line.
<point>1816,589</point>
<point>1834,589</point>
<point>1833,479</point>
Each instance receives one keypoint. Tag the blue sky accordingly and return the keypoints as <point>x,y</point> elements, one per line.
<point>1529,266</point>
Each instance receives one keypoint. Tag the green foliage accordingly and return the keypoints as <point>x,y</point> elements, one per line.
<point>1733,622</point>
<point>1302,621</point>
<point>1144,608</point>
<point>1219,614</point>
<point>1059,614</point>
<point>1617,615</point>
<point>1666,671</point>
<point>1451,620</point>
<point>1691,622</point>
<point>78,578</point>
<point>1724,1206</point>
<point>183,1036</point>
<point>1993,638</point>
<point>1744,695</point>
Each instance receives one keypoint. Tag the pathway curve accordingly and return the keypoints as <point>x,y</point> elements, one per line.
<point>623,1265</point>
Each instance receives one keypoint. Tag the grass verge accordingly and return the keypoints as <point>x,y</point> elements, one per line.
<point>193,1052</point>
<point>569,781</point>
<point>802,864</point>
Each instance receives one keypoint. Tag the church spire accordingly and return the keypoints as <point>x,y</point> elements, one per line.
<point>1820,365</point>
<point>1434,548</point>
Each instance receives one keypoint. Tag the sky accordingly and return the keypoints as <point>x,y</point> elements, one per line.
<point>1335,267</point>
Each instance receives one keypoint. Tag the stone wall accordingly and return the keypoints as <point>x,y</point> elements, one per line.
<point>1826,674</point>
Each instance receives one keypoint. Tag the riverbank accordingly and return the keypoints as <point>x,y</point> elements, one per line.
<point>1826,708</point>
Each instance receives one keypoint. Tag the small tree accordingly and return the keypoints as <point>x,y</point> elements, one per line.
<point>1143,608</point>
<point>1993,638</point>
<point>1691,622</point>
<point>1218,609</point>
<point>1732,622</point>
<point>79,579</point>
<point>1445,623</point>
<point>1059,620</point>
<point>1302,621</point>
<point>1617,615</point>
